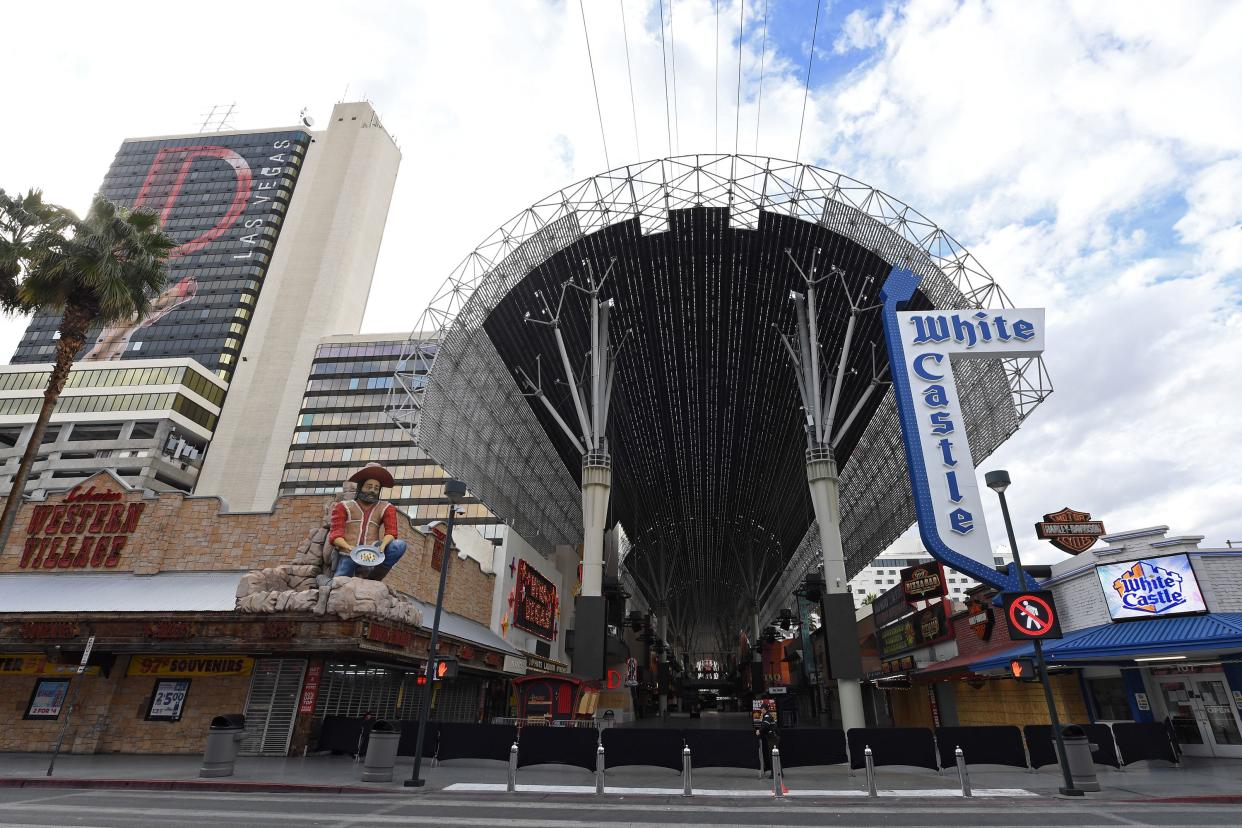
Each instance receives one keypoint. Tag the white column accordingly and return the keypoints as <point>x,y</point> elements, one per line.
<point>596,487</point>
<point>821,474</point>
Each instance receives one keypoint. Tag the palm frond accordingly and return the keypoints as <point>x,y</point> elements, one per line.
<point>111,262</point>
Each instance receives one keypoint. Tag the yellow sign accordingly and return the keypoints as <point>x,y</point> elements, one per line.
<point>36,664</point>
<point>190,665</point>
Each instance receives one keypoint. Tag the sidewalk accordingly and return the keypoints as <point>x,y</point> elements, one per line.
<point>1219,779</point>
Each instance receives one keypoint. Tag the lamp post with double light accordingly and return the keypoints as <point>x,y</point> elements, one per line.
<point>998,481</point>
<point>455,493</point>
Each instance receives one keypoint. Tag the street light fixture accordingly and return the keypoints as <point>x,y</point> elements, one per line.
<point>455,493</point>
<point>998,481</point>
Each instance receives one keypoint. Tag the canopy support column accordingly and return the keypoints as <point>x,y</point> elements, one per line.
<point>821,398</point>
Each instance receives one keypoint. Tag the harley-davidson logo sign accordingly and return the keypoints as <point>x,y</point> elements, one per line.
<point>980,619</point>
<point>1069,530</point>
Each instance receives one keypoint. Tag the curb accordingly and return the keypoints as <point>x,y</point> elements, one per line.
<point>190,785</point>
<point>1205,799</point>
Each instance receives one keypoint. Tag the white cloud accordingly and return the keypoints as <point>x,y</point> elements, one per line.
<point>860,30</point>
<point>1087,153</point>
<point>1213,221</point>
<point>1058,143</point>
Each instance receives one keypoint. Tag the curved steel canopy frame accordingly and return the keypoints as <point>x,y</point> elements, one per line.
<point>455,394</point>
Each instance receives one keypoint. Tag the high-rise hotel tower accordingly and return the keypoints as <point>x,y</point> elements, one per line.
<point>278,232</point>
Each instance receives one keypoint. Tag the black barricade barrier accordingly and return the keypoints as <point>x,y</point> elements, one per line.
<point>409,736</point>
<point>912,746</point>
<point>723,748</point>
<point>1043,752</point>
<point>475,741</point>
<point>558,746</point>
<point>981,745</point>
<point>642,746</point>
<point>805,746</point>
<point>339,734</point>
<point>1143,740</point>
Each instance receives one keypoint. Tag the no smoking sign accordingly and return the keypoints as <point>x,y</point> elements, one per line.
<point>1032,615</point>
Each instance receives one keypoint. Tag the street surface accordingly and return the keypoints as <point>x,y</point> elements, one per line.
<point>159,809</point>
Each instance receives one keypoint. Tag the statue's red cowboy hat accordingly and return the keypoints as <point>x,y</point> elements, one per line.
<point>373,471</point>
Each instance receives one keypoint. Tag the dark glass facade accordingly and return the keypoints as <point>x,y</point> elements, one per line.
<point>343,425</point>
<point>224,199</point>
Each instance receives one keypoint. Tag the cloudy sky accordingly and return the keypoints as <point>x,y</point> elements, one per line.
<point>1087,153</point>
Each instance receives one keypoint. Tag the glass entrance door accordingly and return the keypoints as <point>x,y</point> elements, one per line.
<point>1179,703</point>
<point>1219,717</point>
<point>1203,715</point>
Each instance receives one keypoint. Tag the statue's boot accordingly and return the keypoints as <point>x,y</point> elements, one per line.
<point>380,572</point>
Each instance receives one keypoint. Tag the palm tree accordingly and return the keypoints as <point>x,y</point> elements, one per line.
<point>23,219</point>
<point>870,599</point>
<point>102,269</point>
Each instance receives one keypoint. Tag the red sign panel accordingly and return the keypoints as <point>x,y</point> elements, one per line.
<point>310,688</point>
<point>89,530</point>
<point>389,635</point>
<point>534,602</point>
<point>1032,615</point>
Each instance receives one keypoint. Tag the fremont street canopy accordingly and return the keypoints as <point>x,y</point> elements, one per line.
<point>705,426</point>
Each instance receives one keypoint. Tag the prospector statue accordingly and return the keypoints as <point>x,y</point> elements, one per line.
<point>338,567</point>
<point>364,530</point>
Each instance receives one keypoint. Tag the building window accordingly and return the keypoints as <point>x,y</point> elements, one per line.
<point>1109,697</point>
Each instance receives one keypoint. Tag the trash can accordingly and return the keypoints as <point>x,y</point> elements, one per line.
<point>224,735</point>
<point>381,752</point>
<point>1078,755</point>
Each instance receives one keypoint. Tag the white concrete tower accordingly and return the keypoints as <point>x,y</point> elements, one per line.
<point>317,285</point>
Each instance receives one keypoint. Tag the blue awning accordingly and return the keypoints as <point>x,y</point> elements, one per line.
<point>1126,639</point>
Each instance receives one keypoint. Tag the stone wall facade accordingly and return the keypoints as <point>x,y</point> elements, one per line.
<point>102,526</point>
<point>110,716</point>
<point>175,532</point>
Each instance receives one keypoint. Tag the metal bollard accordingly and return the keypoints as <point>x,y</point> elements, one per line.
<point>870,772</point>
<point>761,771</point>
<point>686,772</point>
<point>513,752</point>
<point>961,771</point>
<point>777,789</point>
<point>599,769</point>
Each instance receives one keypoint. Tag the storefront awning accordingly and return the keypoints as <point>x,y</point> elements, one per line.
<point>464,629</point>
<point>118,592</point>
<point>1221,631</point>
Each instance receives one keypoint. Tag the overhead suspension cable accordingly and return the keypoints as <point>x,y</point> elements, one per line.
<point>806,91</point>
<point>716,134</point>
<point>672,55</point>
<point>630,73</point>
<point>664,57</point>
<point>591,62</point>
<point>737,117</point>
<point>763,55</point>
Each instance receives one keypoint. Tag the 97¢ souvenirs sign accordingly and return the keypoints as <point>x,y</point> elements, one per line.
<point>922,348</point>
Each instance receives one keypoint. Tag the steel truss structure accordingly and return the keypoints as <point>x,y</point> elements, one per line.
<point>707,435</point>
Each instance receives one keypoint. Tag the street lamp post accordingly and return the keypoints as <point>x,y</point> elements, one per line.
<point>455,491</point>
<point>998,481</point>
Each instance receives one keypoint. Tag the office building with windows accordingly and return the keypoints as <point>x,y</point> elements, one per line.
<point>883,573</point>
<point>149,423</point>
<point>342,424</point>
<point>278,231</point>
